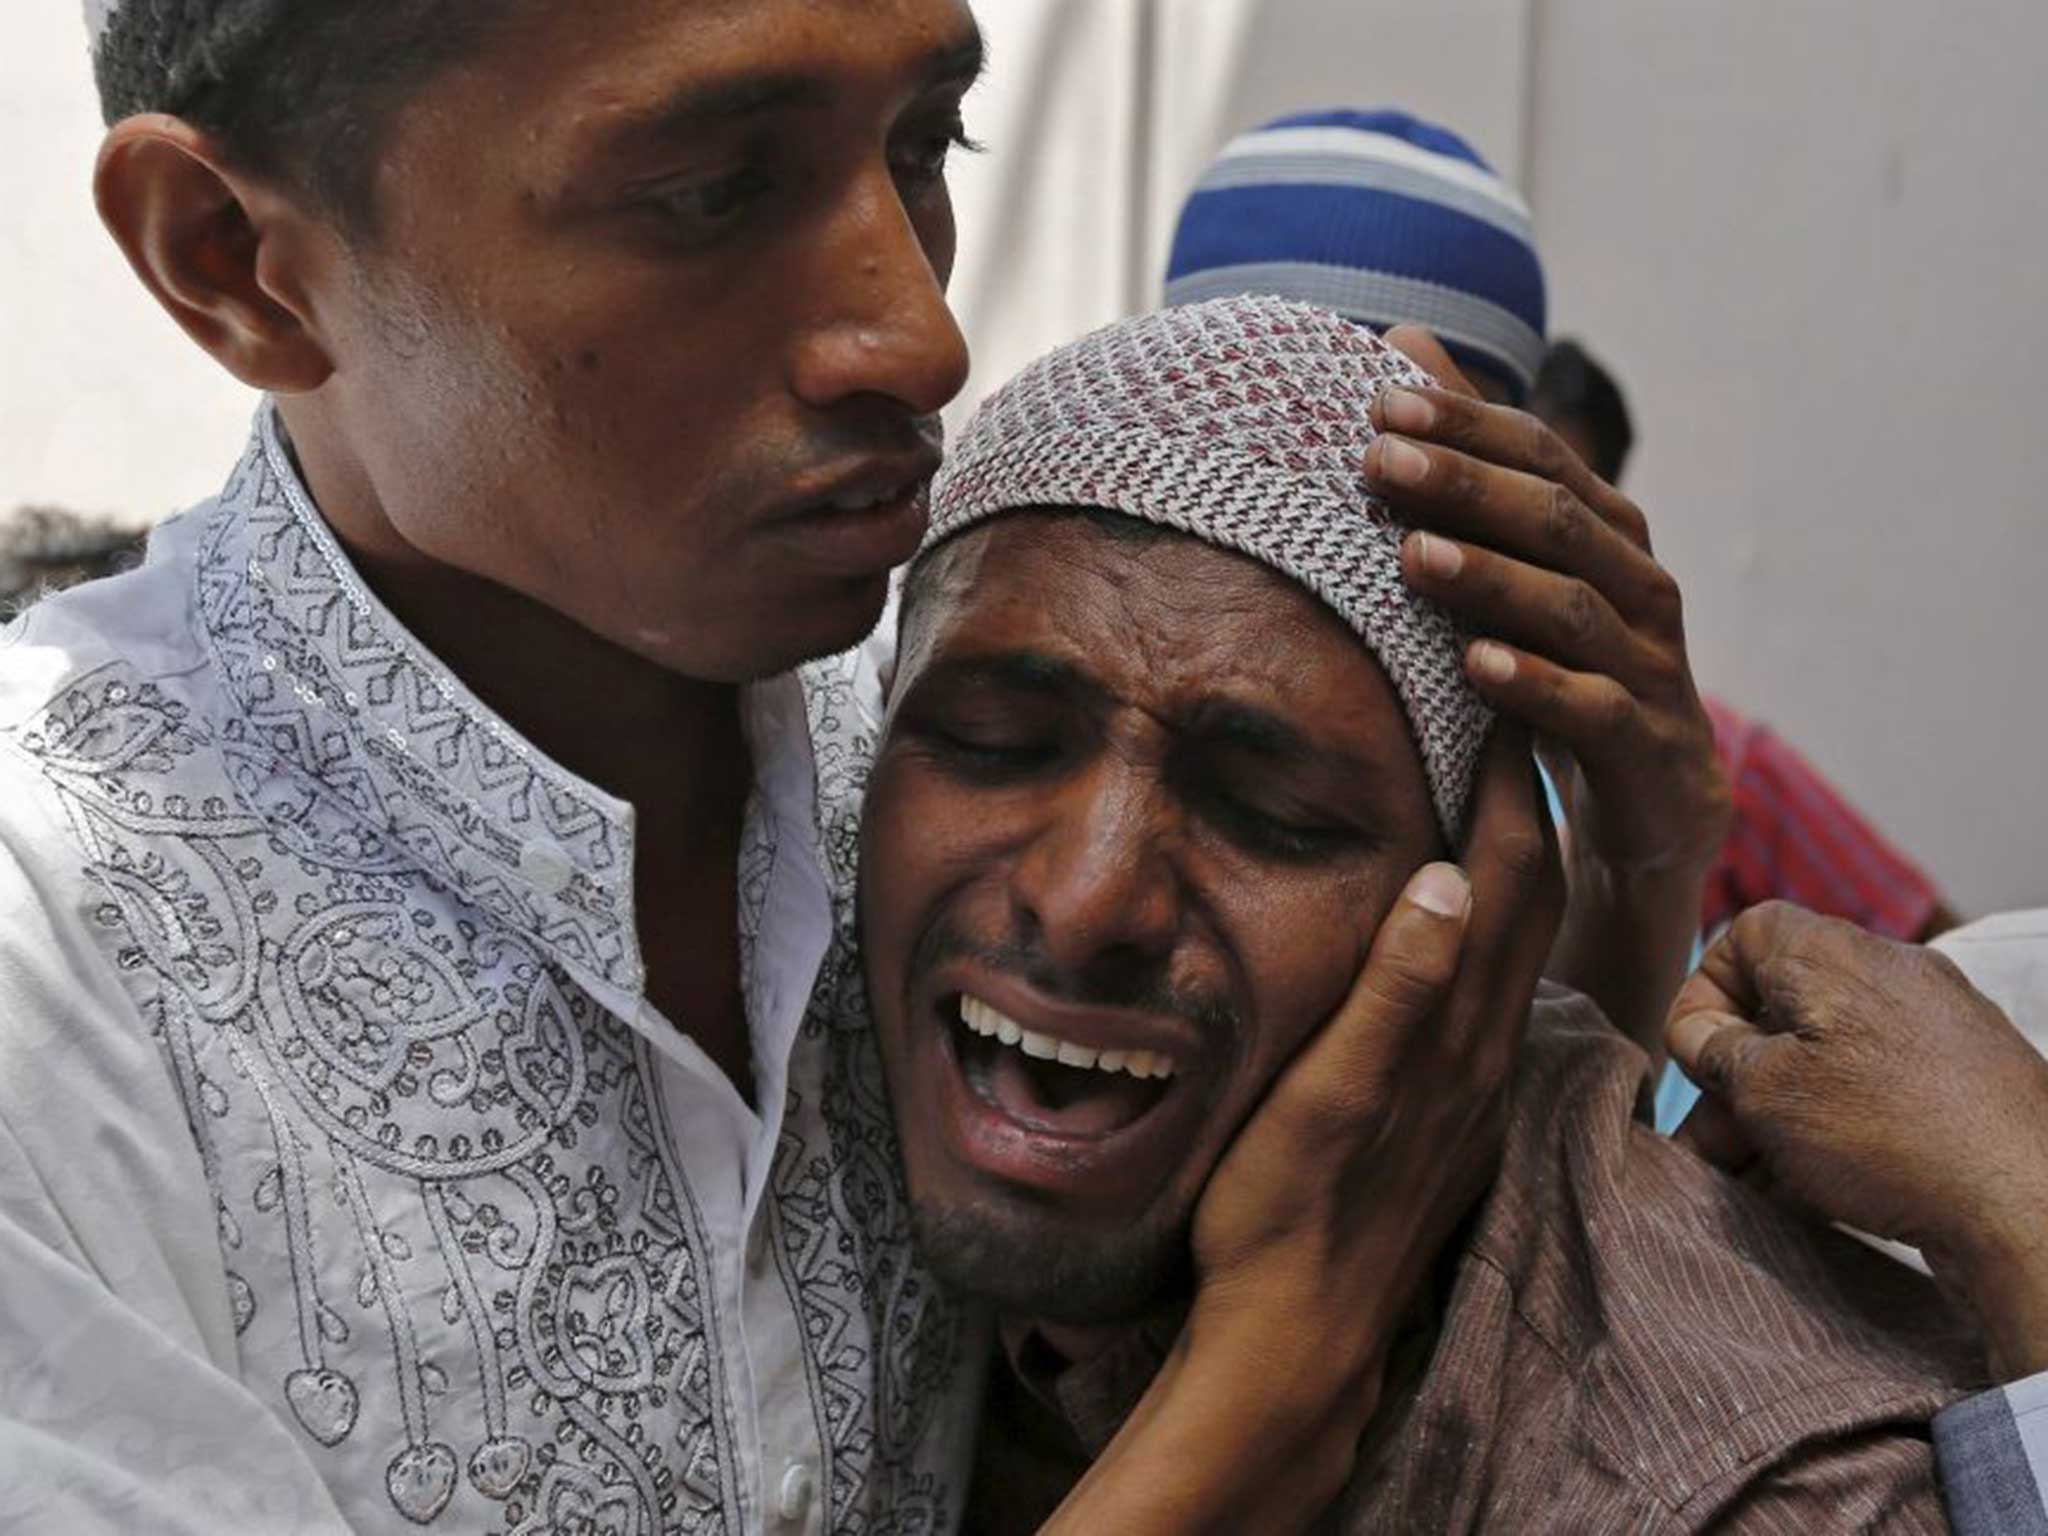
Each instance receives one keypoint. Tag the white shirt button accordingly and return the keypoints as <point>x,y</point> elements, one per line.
<point>546,867</point>
<point>795,1501</point>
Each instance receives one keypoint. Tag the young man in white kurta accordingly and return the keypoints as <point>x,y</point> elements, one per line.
<point>348,1180</point>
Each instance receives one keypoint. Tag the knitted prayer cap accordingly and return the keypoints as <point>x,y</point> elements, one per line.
<point>1381,217</point>
<point>1243,422</point>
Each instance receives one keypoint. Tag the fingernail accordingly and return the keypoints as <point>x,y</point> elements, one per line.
<point>1440,557</point>
<point>1495,663</point>
<point>1405,411</point>
<point>1442,889</point>
<point>1402,463</point>
<point>1688,1035</point>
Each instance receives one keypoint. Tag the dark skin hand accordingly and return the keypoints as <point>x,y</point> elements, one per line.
<point>1580,637</point>
<point>1384,1130</point>
<point>1868,1081</point>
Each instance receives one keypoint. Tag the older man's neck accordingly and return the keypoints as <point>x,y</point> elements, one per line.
<point>1077,1343</point>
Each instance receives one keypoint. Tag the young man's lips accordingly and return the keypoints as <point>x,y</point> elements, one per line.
<point>863,531</point>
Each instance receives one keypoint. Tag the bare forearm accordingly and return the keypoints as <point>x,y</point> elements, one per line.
<point>1235,1434</point>
<point>1626,943</point>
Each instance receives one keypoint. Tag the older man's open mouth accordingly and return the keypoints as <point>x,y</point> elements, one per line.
<point>1082,1101</point>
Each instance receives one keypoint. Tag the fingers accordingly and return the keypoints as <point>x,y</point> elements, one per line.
<point>1593,717</point>
<point>1507,831</point>
<point>1718,1051</point>
<point>1762,964</point>
<point>1518,512</point>
<point>1713,991</point>
<point>1414,954</point>
<point>1715,1135</point>
<point>1427,353</point>
<point>1501,435</point>
<point>1346,1068</point>
<point>1517,899</point>
<point>1562,617</point>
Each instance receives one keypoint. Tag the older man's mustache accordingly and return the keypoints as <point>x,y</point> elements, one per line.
<point>1137,988</point>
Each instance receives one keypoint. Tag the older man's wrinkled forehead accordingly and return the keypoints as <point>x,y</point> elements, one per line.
<point>1097,615</point>
<point>1244,423</point>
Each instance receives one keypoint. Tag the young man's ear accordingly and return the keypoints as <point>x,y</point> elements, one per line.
<point>230,259</point>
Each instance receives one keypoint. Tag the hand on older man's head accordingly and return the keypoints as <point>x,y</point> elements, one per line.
<point>1580,637</point>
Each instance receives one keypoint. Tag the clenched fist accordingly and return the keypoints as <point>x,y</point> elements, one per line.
<point>1870,1081</point>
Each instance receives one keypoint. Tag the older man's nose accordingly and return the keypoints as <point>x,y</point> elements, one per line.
<point>1097,889</point>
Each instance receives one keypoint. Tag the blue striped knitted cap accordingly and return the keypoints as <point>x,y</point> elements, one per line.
<point>1386,219</point>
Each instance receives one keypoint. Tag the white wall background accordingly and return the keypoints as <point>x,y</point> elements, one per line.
<point>104,406</point>
<point>1811,236</point>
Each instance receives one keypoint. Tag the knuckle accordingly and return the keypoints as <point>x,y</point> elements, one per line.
<point>1457,417</point>
<point>1557,695</point>
<point>1490,576</point>
<point>1724,1066</point>
<point>1663,599</point>
<point>1578,614</point>
<point>1565,519</point>
<point>1627,519</point>
<point>1542,449</point>
<point>1523,853</point>
<point>1771,926</point>
<point>1614,707</point>
<point>1461,478</point>
<point>1939,969</point>
<point>1407,983</point>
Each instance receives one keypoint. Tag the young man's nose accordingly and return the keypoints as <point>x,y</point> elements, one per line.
<point>1097,887</point>
<point>881,325</point>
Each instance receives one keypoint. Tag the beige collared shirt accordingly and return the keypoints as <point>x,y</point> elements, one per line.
<point>1629,1343</point>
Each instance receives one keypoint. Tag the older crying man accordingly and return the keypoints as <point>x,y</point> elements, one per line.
<point>1168,737</point>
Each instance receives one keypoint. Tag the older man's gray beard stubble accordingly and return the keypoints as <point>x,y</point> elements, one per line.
<point>1034,1267</point>
<point>1057,1277</point>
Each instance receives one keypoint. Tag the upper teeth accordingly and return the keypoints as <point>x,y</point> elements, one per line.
<point>984,1020</point>
<point>860,501</point>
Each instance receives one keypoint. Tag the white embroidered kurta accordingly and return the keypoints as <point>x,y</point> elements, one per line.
<point>348,1181</point>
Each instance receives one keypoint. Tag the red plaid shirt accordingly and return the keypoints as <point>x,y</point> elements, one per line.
<point>1796,838</point>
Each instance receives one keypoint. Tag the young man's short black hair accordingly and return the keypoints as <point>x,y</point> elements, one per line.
<point>45,549</point>
<point>299,91</point>
<point>1571,383</point>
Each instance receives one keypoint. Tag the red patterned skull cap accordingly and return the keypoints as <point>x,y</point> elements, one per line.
<point>1243,422</point>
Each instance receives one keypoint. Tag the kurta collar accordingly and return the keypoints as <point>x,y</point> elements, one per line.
<point>330,685</point>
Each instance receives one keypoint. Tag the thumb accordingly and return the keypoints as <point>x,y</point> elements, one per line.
<point>1415,953</point>
<point>1414,958</point>
<point>1718,1051</point>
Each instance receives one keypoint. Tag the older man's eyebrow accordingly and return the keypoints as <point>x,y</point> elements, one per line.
<point>705,105</point>
<point>1018,671</point>
<point>1233,723</point>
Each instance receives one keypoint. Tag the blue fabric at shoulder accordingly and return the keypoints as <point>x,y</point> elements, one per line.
<point>1676,1095</point>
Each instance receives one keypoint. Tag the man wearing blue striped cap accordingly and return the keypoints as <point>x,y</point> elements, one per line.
<point>1382,217</point>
